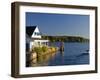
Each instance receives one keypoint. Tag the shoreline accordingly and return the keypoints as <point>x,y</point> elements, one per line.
<point>33,57</point>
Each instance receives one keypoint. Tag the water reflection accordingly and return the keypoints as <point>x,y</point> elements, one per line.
<point>73,54</point>
<point>42,60</point>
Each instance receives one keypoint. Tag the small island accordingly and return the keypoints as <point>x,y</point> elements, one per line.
<point>65,38</point>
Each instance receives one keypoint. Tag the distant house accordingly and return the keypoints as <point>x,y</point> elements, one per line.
<point>34,38</point>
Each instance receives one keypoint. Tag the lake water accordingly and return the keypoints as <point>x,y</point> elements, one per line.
<point>74,54</point>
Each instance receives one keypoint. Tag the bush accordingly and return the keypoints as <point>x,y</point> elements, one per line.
<point>38,50</point>
<point>44,48</point>
<point>52,48</point>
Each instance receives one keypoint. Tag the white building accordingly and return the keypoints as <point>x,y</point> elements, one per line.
<point>33,38</point>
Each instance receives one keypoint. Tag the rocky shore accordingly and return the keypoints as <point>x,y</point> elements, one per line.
<point>38,52</point>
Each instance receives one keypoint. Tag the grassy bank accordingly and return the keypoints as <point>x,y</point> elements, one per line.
<point>39,53</point>
<point>44,50</point>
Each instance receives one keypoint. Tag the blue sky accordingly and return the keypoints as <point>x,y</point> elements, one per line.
<point>59,24</point>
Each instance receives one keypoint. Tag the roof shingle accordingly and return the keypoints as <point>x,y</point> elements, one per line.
<point>30,30</point>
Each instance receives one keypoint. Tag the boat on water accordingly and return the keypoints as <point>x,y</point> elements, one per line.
<point>85,53</point>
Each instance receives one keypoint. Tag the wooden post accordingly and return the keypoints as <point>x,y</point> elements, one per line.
<point>62,46</point>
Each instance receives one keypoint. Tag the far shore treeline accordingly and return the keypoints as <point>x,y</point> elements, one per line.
<point>65,38</point>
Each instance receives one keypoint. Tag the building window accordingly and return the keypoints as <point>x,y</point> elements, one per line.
<point>39,43</point>
<point>37,33</point>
